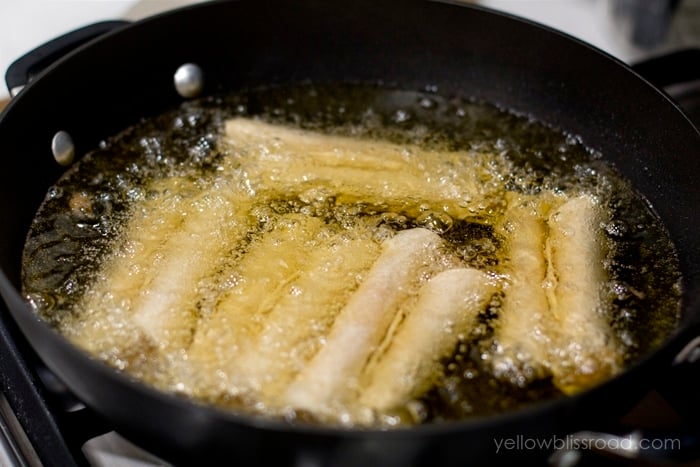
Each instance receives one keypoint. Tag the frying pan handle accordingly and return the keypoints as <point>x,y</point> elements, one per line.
<point>677,67</point>
<point>25,68</point>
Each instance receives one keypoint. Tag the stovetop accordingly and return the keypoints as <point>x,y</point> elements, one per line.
<point>41,424</point>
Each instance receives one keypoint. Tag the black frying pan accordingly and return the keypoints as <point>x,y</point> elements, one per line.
<point>109,83</point>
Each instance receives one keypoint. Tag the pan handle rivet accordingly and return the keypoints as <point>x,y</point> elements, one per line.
<point>62,148</point>
<point>189,80</point>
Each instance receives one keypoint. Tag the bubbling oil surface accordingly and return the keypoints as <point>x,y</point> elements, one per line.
<point>84,216</point>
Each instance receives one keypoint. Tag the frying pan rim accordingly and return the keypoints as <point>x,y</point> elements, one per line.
<point>257,422</point>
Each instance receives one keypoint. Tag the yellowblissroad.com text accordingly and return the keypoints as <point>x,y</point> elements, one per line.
<point>578,443</point>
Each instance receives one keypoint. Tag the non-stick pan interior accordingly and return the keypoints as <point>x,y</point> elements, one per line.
<point>110,84</point>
